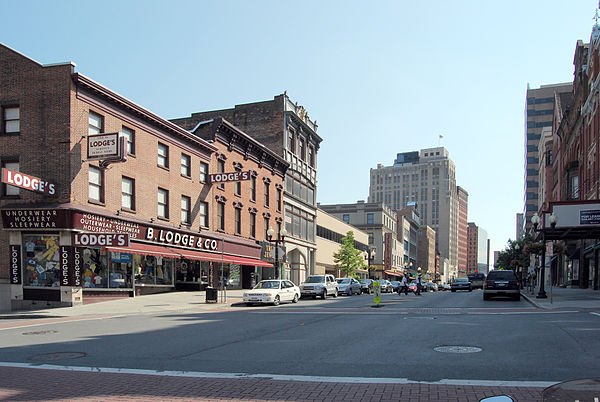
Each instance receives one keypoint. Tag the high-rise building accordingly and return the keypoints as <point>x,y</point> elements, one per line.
<point>520,230</point>
<point>463,203</point>
<point>477,249</point>
<point>427,178</point>
<point>539,113</point>
<point>283,127</point>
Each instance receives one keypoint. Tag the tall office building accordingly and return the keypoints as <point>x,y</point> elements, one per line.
<point>427,178</point>
<point>539,113</point>
<point>477,250</point>
<point>463,203</point>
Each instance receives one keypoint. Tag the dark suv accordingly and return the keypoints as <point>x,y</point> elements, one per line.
<point>501,283</point>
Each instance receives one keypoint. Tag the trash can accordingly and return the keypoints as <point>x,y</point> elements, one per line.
<point>211,295</point>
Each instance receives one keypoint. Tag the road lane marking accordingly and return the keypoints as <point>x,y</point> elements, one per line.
<point>282,377</point>
<point>50,321</point>
<point>598,314</point>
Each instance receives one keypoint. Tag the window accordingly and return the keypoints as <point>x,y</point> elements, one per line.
<point>221,215</point>
<point>266,228</point>
<point>253,188</point>
<point>279,199</point>
<point>238,185</point>
<point>186,202</point>
<point>252,224</point>
<point>301,149</point>
<point>186,165</point>
<point>7,189</point>
<point>266,194</point>
<point>203,172</point>
<point>129,135</point>
<point>12,119</point>
<point>370,219</point>
<point>203,213</point>
<point>346,218</point>
<point>238,221</point>
<point>311,156</point>
<point>127,193</point>
<point>221,169</point>
<point>95,123</point>
<point>291,141</point>
<point>163,203</point>
<point>163,155</point>
<point>96,188</point>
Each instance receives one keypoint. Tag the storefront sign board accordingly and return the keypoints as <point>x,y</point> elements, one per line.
<point>15,264</point>
<point>103,146</point>
<point>27,182</point>
<point>225,177</point>
<point>35,219</point>
<point>101,239</point>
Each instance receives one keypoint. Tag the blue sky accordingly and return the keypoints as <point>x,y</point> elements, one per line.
<point>379,77</point>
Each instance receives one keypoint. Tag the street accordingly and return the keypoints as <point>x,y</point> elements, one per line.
<point>438,337</point>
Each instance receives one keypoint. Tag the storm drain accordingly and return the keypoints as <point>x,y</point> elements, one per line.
<point>458,349</point>
<point>57,356</point>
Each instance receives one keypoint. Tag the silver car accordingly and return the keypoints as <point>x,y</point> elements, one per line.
<point>349,286</point>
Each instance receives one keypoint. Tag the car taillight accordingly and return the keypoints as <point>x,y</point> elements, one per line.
<point>485,284</point>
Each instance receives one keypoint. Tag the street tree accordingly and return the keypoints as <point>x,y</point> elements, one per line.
<point>349,259</point>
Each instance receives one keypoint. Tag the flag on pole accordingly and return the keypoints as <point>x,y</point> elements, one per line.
<point>441,136</point>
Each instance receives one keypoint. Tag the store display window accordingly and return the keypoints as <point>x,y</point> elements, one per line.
<point>193,271</point>
<point>96,268</point>
<point>151,270</point>
<point>41,260</point>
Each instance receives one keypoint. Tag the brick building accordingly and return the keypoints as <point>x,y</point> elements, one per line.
<point>157,203</point>
<point>285,128</point>
<point>463,207</point>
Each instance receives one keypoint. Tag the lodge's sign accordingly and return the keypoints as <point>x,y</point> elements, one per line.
<point>34,218</point>
<point>225,177</point>
<point>27,182</point>
<point>103,146</point>
<point>15,264</point>
<point>101,239</point>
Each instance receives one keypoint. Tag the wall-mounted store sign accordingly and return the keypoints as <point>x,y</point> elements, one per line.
<point>103,146</point>
<point>101,239</point>
<point>27,182</point>
<point>34,218</point>
<point>225,177</point>
<point>15,264</point>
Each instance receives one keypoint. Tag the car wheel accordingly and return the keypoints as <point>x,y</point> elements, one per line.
<point>276,301</point>
<point>314,296</point>
<point>295,299</point>
<point>324,294</point>
<point>470,290</point>
<point>349,292</point>
<point>335,294</point>
<point>453,290</point>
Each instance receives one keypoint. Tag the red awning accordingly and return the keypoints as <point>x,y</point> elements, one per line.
<point>145,249</point>
<point>392,273</point>
<point>249,261</point>
<point>202,256</point>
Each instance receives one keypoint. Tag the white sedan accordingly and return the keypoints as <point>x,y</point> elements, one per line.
<point>272,291</point>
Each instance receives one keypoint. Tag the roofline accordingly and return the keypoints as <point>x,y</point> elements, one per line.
<point>66,63</point>
<point>87,82</point>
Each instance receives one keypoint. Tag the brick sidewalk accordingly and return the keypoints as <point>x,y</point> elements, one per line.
<point>30,384</point>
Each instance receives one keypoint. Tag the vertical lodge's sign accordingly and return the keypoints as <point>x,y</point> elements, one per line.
<point>15,264</point>
<point>27,182</point>
<point>70,266</point>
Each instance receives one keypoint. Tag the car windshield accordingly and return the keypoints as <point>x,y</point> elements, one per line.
<point>365,281</point>
<point>461,280</point>
<point>267,285</point>
<point>501,276</point>
<point>343,280</point>
<point>315,279</point>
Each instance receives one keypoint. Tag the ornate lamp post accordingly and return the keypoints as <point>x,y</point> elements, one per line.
<point>280,238</point>
<point>535,220</point>
<point>370,257</point>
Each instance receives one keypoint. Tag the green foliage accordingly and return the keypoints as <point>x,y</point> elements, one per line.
<point>349,258</point>
<point>517,252</point>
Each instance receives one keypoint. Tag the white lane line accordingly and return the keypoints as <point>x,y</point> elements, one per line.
<point>282,377</point>
<point>395,312</point>
<point>55,322</point>
<point>598,314</point>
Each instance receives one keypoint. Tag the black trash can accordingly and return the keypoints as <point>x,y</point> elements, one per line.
<point>211,295</point>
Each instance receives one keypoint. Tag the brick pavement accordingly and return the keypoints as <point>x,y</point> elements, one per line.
<point>34,384</point>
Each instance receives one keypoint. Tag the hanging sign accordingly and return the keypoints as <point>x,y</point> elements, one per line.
<point>27,182</point>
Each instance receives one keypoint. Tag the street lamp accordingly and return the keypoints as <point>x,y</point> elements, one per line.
<point>519,267</point>
<point>535,219</point>
<point>370,257</point>
<point>280,238</point>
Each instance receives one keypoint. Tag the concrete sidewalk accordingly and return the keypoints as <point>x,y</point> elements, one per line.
<point>560,298</point>
<point>160,302</point>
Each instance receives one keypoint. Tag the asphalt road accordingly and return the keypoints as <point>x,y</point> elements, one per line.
<point>432,337</point>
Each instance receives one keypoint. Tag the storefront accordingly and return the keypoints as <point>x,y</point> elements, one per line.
<point>61,255</point>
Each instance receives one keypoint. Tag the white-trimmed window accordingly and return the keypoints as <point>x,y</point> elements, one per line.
<point>163,155</point>
<point>186,165</point>
<point>127,193</point>
<point>96,184</point>
<point>95,123</point>
<point>129,134</point>
<point>9,190</point>
<point>163,203</point>
<point>203,213</point>
<point>186,203</point>
<point>203,172</point>
<point>12,119</point>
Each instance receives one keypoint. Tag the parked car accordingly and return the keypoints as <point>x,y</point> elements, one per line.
<point>272,291</point>
<point>386,286</point>
<point>319,285</point>
<point>395,286</point>
<point>444,286</point>
<point>461,284</point>
<point>477,280</point>
<point>431,287</point>
<point>501,283</point>
<point>349,286</point>
<point>412,287</point>
<point>366,285</point>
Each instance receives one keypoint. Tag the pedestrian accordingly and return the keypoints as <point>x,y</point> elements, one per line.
<point>403,285</point>
<point>419,283</point>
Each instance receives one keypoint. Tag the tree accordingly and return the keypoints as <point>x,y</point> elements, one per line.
<point>349,258</point>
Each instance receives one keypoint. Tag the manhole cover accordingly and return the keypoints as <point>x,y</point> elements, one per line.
<point>50,331</point>
<point>57,356</point>
<point>457,349</point>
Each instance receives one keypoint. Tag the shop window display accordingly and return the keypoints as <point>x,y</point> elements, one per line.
<point>193,271</point>
<point>95,273</point>
<point>41,260</point>
<point>150,270</point>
